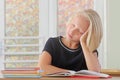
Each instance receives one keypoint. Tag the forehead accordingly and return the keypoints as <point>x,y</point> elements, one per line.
<point>82,22</point>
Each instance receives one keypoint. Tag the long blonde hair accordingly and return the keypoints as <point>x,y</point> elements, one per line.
<point>95,32</point>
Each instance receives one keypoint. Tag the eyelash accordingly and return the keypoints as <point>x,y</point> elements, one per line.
<point>81,33</point>
<point>73,25</point>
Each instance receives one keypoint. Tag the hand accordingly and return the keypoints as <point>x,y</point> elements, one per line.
<point>83,38</point>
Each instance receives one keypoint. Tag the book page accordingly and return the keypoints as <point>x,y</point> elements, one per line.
<point>87,72</point>
<point>59,74</point>
<point>68,73</point>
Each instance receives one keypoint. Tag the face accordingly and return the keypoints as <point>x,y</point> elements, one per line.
<point>76,28</point>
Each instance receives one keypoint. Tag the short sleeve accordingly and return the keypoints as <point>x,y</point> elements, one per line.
<point>49,46</point>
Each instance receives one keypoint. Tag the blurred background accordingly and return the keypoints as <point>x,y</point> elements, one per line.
<point>27,24</point>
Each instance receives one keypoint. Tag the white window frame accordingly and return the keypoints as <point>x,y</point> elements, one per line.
<point>48,15</point>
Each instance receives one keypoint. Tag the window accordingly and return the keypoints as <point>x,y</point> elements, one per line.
<point>23,32</point>
<point>21,37</point>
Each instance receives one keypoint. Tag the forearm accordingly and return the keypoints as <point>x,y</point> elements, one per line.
<point>45,64</point>
<point>48,69</point>
<point>91,59</point>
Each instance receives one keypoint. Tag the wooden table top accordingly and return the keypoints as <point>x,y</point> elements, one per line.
<point>115,73</point>
<point>60,78</point>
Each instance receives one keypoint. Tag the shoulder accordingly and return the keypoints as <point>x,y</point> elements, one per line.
<point>50,44</point>
<point>53,39</point>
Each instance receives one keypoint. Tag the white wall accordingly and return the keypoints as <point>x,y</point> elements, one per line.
<point>100,7</point>
<point>113,34</point>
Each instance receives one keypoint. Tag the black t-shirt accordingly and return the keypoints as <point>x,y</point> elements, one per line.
<point>64,57</point>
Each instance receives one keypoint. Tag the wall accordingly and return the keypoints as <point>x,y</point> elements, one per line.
<point>100,7</point>
<point>113,31</point>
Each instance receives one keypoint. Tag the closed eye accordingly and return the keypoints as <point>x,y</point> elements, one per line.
<point>73,25</point>
<point>81,33</point>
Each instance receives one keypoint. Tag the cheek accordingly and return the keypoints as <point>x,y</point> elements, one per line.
<point>67,28</point>
<point>67,31</point>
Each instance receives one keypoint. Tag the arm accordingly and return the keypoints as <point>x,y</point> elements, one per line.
<point>45,64</point>
<point>90,57</point>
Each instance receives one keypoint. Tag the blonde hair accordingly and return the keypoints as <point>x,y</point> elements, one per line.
<point>95,32</point>
<point>78,13</point>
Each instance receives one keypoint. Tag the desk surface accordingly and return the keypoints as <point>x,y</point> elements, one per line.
<point>115,76</point>
<point>49,78</point>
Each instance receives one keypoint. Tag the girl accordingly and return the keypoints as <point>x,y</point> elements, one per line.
<point>77,50</point>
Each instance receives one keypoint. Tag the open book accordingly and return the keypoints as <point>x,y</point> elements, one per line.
<point>81,73</point>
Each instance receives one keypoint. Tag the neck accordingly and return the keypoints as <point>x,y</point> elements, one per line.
<point>70,44</point>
